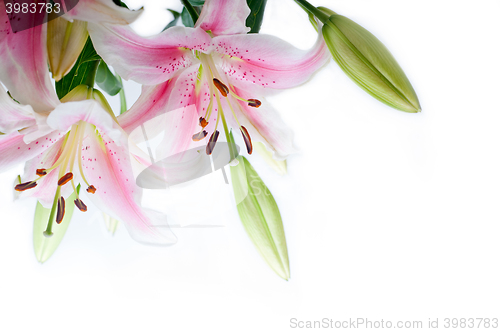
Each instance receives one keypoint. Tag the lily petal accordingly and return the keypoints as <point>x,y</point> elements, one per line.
<point>102,11</point>
<point>224,17</point>
<point>168,107</point>
<point>14,116</point>
<point>147,60</point>
<point>24,70</point>
<point>67,114</point>
<point>264,61</point>
<point>108,167</point>
<point>265,125</point>
<point>14,151</point>
<point>47,186</point>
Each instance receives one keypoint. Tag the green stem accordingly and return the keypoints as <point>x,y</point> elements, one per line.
<point>93,71</point>
<point>191,10</point>
<point>123,100</point>
<point>229,137</point>
<point>323,17</point>
<point>48,231</point>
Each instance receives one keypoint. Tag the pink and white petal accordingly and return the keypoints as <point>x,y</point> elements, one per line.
<point>102,11</point>
<point>108,168</point>
<point>90,111</point>
<point>148,60</point>
<point>14,151</point>
<point>167,107</point>
<point>47,186</point>
<point>181,116</point>
<point>14,116</point>
<point>224,17</point>
<point>151,103</point>
<point>24,69</point>
<point>264,124</point>
<point>258,61</point>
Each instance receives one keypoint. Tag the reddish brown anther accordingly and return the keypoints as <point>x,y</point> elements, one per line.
<point>222,87</point>
<point>41,172</point>
<point>203,122</point>
<point>91,189</point>
<point>80,205</point>
<point>65,179</point>
<point>199,136</point>
<point>25,186</point>
<point>247,139</point>
<point>211,143</point>
<point>61,208</point>
<point>254,103</point>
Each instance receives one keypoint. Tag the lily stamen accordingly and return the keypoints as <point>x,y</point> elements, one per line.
<point>254,103</point>
<point>25,186</point>
<point>221,87</point>
<point>61,209</point>
<point>80,205</point>
<point>65,179</point>
<point>203,122</point>
<point>212,141</point>
<point>91,189</point>
<point>199,136</point>
<point>41,172</point>
<point>247,139</point>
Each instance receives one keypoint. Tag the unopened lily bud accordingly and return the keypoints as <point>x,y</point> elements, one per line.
<point>368,62</point>
<point>65,42</point>
<point>260,216</point>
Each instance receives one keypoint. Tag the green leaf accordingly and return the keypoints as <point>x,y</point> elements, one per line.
<point>186,18</point>
<point>45,246</point>
<point>120,3</point>
<point>82,68</point>
<point>106,80</point>
<point>197,2</point>
<point>174,21</point>
<point>254,20</point>
<point>260,216</point>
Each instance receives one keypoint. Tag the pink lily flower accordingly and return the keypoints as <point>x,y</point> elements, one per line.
<point>216,66</point>
<point>75,140</point>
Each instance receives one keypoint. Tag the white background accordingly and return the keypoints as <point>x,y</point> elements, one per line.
<point>388,215</point>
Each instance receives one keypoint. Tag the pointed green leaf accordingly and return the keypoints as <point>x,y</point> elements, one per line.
<point>106,80</point>
<point>187,20</point>
<point>174,21</point>
<point>120,3</point>
<point>197,2</point>
<point>260,216</point>
<point>111,223</point>
<point>78,74</point>
<point>254,20</point>
<point>45,246</point>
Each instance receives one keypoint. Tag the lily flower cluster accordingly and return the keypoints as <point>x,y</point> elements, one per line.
<point>209,77</point>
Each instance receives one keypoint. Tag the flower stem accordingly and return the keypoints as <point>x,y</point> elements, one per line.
<point>123,100</point>
<point>93,71</point>
<point>48,231</point>
<point>229,137</point>
<point>323,17</point>
<point>192,12</point>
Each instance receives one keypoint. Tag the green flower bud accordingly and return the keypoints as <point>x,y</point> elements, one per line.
<point>368,62</point>
<point>65,42</point>
<point>260,216</point>
<point>43,245</point>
